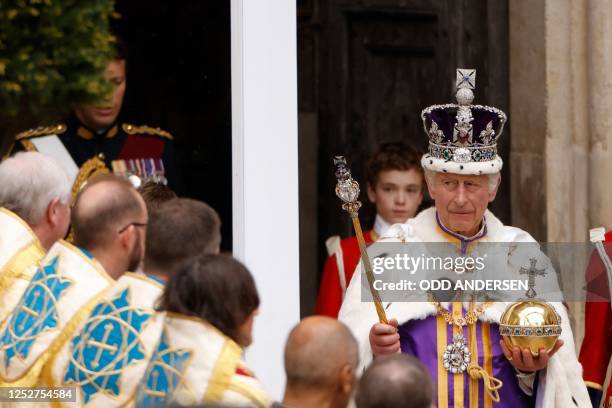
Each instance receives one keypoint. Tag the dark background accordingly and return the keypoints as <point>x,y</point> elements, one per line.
<point>179,78</point>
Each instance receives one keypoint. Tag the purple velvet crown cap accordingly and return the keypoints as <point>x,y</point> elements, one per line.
<point>446,119</point>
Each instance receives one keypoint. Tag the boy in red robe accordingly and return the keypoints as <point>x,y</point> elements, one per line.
<point>395,187</point>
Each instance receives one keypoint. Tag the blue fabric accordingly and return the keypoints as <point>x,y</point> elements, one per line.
<point>35,313</point>
<point>108,343</point>
<point>163,374</point>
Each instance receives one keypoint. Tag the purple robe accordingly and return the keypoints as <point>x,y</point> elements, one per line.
<point>419,338</point>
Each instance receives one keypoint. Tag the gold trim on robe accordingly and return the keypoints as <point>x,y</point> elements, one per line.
<point>198,364</point>
<point>108,352</point>
<point>67,281</point>
<point>20,252</point>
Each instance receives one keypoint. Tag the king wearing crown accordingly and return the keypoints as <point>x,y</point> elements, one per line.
<point>459,340</point>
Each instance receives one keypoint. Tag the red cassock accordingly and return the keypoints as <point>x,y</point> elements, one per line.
<point>331,291</point>
<point>596,347</point>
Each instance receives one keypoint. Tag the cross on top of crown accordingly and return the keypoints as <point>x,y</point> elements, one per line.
<point>466,78</point>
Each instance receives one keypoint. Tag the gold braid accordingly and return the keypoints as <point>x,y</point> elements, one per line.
<point>90,168</point>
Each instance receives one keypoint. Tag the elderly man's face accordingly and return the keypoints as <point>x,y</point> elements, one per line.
<point>461,201</point>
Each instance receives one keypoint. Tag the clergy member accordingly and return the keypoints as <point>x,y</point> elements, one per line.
<point>109,221</point>
<point>34,213</point>
<point>211,306</point>
<point>124,325</point>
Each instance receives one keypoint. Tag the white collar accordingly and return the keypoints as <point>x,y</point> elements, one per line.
<point>380,225</point>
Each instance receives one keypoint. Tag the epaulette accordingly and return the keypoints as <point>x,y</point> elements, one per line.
<point>42,131</point>
<point>145,130</point>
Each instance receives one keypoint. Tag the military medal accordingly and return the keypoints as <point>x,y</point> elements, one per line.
<point>140,171</point>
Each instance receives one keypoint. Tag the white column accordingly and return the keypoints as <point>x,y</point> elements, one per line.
<point>265,172</point>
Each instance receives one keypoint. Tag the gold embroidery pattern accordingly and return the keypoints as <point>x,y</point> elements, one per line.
<point>113,318</point>
<point>112,132</point>
<point>29,377</point>
<point>84,133</point>
<point>163,362</point>
<point>224,369</point>
<point>28,145</point>
<point>89,169</point>
<point>254,395</point>
<point>42,131</point>
<point>29,255</point>
<point>135,130</point>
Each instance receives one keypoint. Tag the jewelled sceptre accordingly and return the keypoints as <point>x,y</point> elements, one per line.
<point>347,190</point>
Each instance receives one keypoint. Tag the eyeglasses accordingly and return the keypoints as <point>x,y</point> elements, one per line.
<point>136,224</point>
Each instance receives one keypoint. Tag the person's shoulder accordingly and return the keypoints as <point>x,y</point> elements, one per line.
<point>499,232</point>
<point>23,140</point>
<point>41,131</point>
<point>418,228</point>
<point>146,131</point>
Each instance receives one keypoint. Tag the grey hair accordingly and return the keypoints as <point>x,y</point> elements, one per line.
<point>29,181</point>
<point>493,179</point>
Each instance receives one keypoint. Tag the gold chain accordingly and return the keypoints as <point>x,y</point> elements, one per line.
<point>470,317</point>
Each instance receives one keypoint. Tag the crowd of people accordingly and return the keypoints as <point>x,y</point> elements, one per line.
<point>130,314</point>
<point>113,285</point>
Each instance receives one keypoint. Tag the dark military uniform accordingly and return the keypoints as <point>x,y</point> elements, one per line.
<point>142,149</point>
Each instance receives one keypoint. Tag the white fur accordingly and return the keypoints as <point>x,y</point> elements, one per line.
<point>470,168</point>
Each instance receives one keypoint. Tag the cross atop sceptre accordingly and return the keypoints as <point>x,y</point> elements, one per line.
<point>347,190</point>
<point>532,272</point>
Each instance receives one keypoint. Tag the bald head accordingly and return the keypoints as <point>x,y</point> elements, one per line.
<point>317,349</point>
<point>105,205</point>
<point>395,380</point>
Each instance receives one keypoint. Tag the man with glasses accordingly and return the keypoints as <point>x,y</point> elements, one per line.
<point>134,331</point>
<point>109,222</point>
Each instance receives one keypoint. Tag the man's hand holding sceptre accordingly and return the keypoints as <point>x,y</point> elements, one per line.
<point>384,338</point>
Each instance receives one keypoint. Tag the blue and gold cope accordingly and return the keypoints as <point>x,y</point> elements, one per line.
<point>35,313</point>
<point>108,343</point>
<point>164,373</point>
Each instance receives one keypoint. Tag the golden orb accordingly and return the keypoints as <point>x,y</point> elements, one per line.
<point>531,324</point>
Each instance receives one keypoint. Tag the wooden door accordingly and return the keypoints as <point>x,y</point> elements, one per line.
<point>366,70</point>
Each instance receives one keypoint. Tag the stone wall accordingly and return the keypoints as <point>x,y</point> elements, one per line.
<point>561,116</point>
